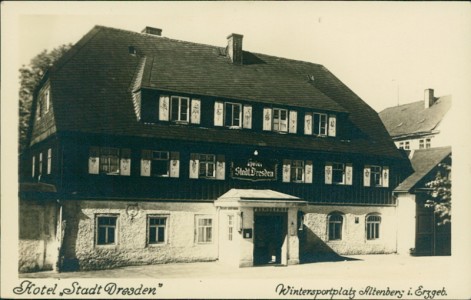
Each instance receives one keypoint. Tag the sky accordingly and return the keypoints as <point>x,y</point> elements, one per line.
<point>387,53</point>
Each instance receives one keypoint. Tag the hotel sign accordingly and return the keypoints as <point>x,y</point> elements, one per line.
<point>255,170</point>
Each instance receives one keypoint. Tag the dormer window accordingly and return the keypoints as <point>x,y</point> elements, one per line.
<point>320,124</point>
<point>180,109</point>
<point>280,120</point>
<point>233,117</point>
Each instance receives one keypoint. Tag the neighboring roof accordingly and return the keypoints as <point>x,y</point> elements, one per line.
<point>92,89</point>
<point>423,162</point>
<point>414,118</point>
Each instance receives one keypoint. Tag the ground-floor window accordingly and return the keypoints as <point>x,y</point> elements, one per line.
<point>373,223</point>
<point>157,229</point>
<point>204,230</point>
<point>106,230</point>
<point>230,227</point>
<point>335,226</point>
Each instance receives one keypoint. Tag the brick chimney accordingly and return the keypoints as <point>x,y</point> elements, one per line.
<point>429,99</point>
<point>152,31</point>
<point>234,48</point>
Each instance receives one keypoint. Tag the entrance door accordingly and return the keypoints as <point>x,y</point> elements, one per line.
<point>269,235</point>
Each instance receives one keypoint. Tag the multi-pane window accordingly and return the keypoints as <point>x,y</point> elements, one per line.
<point>160,163</point>
<point>49,160</point>
<point>280,120</point>
<point>421,144</point>
<point>204,230</point>
<point>335,226</point>
<point>157,229</point>
<point>230,227</point>
<point>180,108</point>
<point>407,145</point>
<point>401,145</point>
<point>233,115</point>
<point>297,171</point>
<point>373,223</point>
<point>106,230</point>
<point>338,173</point>
<point>320,124</point>
<point>207,165</point>
<point>376,175</point>
<point>428,143</point>
<point>109,160</point>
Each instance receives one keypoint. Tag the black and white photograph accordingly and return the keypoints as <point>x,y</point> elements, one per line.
<point>235,150</point>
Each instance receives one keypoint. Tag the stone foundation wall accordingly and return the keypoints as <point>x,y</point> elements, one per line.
<point>314,236</point>
<point>131,247</point>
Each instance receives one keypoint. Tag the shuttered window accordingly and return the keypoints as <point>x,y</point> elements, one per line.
<point>319,124</point>
<point>233,115</point>
<point>110,161</point>
<point>376,176</point>
<point>180,109</point>
<point>280,120</point>
<point>297,171</point>
<point>207,165</point>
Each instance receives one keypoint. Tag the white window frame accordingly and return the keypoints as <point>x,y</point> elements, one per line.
<point>338,167</point>
<point>318,125</point>
<point>335,223</point>
<point>297,168</point>
<point>278,123</point>
<point>98,226</point>
<point>208,233</point>
<point>230,123</point>
<point>421,144</point>
<point>373,227</point>
<point>157,226</point>
<point>180,112</point>
<point>204,164</point>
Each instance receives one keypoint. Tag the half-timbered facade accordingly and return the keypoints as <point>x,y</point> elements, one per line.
<point>161,150</point>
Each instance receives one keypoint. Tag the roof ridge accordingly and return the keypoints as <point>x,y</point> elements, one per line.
<point>204,44</point>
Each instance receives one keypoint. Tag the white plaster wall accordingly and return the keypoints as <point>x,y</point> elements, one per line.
<point>447,131</point>
<point>315,235</point>
<point>229,251</point>
<point>37,247</point>
<point>406,212</point>
<point>131,247</point>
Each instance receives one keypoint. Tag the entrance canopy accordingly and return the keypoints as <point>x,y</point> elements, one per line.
<point>257,198</point>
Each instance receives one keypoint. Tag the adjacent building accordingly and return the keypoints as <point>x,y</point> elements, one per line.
<point>145,149</point>
<point>420,125</point>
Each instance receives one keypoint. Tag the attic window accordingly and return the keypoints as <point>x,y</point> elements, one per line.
<point>132,50</point>
<point>310,77</point>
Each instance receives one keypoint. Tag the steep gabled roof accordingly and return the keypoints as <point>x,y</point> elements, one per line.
<point>92,90</point>
<point>414,118</point>
<point>423,162</point>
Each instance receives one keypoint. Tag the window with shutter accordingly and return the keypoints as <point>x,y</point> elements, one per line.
<point>348,174</point>
<point>328,173</point>
<point>320,124</point>
<point>195,111</point>
<point>280,120</point>
<point>286,170</point>
<point>332,125</point>
<point>297,171</point>
<point>164,107</point>
<point>308,123</point>
<point>385,176</point>
<point>267,119</point>
<point>194,166</point>
<point>293,121</point>
<point>125,164</point>
<point>218,113</point>
<point>146,158</point>
<point>174,164</point>
<point>220,167</point>
<point>248,116</point>
<point>309,172</point>
<point>94,160</point>
<point>179,109</point>
<point>233,115</point>
<point>366,176</point>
